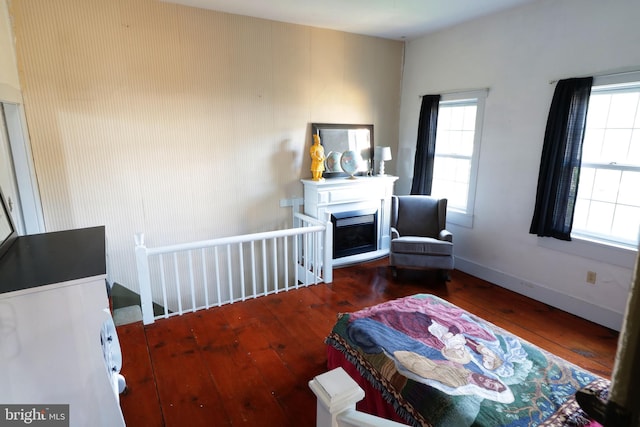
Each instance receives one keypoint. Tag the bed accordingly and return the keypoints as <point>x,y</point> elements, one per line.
<point>426,362</point>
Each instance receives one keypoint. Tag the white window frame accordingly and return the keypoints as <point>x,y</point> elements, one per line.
<point>455,215</point>
<point>588,247</point>
<point>609,84</point>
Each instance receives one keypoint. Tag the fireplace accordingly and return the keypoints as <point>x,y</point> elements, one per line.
<point>359,211</point>
<point>354,232</point>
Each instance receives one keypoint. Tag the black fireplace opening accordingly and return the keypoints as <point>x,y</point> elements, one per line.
<point>354,232</point>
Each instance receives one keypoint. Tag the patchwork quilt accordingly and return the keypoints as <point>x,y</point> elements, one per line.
<point>440,366</point>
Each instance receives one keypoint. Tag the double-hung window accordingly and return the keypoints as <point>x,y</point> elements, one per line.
<point>457,150</point>
<point>608,202</point>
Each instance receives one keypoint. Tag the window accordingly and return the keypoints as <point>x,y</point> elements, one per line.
<point>456,156</point>
<point>608,203</point>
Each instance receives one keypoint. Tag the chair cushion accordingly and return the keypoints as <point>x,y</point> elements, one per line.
<point>421,245</point>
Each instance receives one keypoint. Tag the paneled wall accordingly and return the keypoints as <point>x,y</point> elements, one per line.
<point>185,123</point>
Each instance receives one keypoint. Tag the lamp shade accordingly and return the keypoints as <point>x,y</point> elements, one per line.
<point>383,153</point>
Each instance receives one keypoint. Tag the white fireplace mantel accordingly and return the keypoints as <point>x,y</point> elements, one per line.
<point>335,195</point>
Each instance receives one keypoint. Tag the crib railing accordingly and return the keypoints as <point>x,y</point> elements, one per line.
<point>200,275</point>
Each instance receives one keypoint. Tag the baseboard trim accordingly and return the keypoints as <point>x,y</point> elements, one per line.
<point>575,306</point>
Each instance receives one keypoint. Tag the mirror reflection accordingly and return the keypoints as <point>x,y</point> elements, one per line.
<point>337,138</point>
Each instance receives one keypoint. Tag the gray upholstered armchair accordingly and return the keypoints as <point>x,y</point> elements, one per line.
<point>419,238</point>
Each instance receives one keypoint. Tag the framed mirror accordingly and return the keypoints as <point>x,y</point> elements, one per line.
<point>337,138</point>
<point>7,230</point>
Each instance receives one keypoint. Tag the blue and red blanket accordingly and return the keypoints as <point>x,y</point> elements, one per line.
<point>439,365</point>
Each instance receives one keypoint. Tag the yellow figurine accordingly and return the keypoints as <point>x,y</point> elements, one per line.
<point>317,159</point>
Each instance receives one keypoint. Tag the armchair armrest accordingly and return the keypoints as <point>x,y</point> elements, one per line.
<point>445,235</point>
<point>394,233</point>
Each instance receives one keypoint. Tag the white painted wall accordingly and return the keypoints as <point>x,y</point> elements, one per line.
<point>516,54</point>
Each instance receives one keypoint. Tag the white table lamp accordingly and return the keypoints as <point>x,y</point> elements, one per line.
<point>382,154</point>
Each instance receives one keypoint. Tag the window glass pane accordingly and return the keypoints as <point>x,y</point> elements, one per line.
<point>469,118</point>
<point>444,169</point>
<point>608,203</point>
<point>458,197</point>
<point>443,138</point>
<point>466,143</point>
<point>455,140</point>
<point>623,110</point>
<point>462,171</point>
<point>580,214</point>
<point>457,117</point>
<point>600,217</point>
<point>615,145</point>
<point>626,222</point>
<point>444,118</point>
<point>629,193</point>
<point>605,187</point>
<point>598,111</point>
<point>441,188</point>
<point>585,186</point>
<point>634,147</point>
<point>592,144</point>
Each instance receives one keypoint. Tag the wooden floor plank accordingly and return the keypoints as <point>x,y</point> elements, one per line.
<point>184,383</point>
<point>141,402</point>
<point>249,363</point>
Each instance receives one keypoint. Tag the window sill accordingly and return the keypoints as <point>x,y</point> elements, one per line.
<point>598,251</point>
<point>460,218</point>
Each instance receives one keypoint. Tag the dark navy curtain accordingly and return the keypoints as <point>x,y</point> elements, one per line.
<point>425,145</point>
<point>561,157</point>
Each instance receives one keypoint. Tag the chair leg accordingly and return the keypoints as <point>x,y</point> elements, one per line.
<point>394,272</point>
<point>444,275</point>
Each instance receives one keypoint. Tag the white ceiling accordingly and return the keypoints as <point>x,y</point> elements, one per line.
<point>392,19</point>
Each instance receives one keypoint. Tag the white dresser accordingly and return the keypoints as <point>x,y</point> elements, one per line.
<point>356,203</point>
<point>53,304</point>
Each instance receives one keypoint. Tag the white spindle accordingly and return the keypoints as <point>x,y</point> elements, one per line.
<point>144,279</point>
<point>296,249</point>
<point>215,250</point>
<point>316,258</point>
<point>265,286</point>
<point>274,258</point>
<point>285,255</point>
<point>308,259</point>
<point>241,260</point>
<point>305,254</point>
<point>205,279</point>
<point>192,283</point>
<point>327,267</point>
<point>178,285</point>
<point>253,268</point>
<point>165,301</point>
<point>230,274</point>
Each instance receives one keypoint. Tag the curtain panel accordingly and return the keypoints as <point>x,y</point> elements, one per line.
<point>561,157</point>
<point>425,145</point>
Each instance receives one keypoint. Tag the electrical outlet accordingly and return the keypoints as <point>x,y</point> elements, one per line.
<point>591,277</point>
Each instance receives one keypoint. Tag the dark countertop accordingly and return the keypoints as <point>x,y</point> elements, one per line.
<point>43,259</point>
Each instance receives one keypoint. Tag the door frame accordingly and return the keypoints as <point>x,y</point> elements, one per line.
<point>26,182</point>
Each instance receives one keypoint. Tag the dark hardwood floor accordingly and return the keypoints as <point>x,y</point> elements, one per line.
<point>249,363</point>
